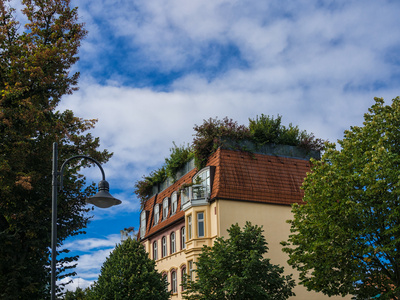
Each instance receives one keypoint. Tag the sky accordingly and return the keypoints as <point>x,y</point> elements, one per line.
<point>152,70</point>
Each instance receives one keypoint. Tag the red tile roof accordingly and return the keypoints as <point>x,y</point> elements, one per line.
<point>258,177</point>
<point>240,176</point>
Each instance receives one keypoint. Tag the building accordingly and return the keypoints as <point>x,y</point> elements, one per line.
<point>234,187</point>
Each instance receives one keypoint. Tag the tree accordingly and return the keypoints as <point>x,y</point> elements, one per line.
<point>35,62</point>
<point>234,268</point>
<point>129,273</point>
<point>346,238</point>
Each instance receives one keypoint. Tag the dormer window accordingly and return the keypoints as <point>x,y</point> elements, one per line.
<point>165,207</point>
<point>186,192</point>
<point>143,224</point>
<point>156,214</point>
<point>198,192</point>
<point>174,202</point>
<point>201,184</point>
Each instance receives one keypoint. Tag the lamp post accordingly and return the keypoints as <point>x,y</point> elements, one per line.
<point>102,199</point>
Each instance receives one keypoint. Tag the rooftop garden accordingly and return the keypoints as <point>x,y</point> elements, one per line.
<point>226,133</point>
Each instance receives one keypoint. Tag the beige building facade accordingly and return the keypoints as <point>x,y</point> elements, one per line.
<point>235,187</point>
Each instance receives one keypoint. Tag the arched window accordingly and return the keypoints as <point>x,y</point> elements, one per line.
<point>174,283</point>
<point>183,276</point>
<point>183,238</point>
<point>164,246</point>
<point>202,184</point>
<point>174,202</point>
<point>165,208</point>
<point>165,277</point>
<point>155,251</point>
<point>173,243</point>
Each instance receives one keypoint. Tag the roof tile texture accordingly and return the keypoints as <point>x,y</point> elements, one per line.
<point>258,177</point>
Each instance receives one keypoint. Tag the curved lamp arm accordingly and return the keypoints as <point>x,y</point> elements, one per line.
<point>102,199</point>
<point>76,157</point>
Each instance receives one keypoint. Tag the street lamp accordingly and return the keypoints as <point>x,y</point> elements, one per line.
<point>102,199</point>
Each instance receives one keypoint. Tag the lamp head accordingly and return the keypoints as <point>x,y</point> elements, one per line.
<point>103,198</point>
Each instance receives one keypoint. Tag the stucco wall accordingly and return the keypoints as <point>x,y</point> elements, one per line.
<point>273,219</point>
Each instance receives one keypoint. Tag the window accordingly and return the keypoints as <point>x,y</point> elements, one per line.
<point>165,208</point>
<point>143,224</point>
<point>200,224</point>
<point>174,202</point>
<point>183,238</point>
<point>164,246</point>
<point>165,277</point>
<point>189,226</point>
<point>183,276</point>
<point>174,284</point>
<point>155,253</point>
<point>190,264</point>
<point>156,214</point>
<point>185,195</point>
<point>202,187</point>
<point>173,243</point>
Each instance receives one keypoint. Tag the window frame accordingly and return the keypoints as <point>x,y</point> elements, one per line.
<point>200,224</point>
<point>174,202</point>
<point>143,217</point>
<point>190,266</point>
<point>165,208</point>
<point>189,227</point>
<point>155,250</point>
<point>174,282</point>
<point>183,277</point>
<point>183,238</point>
<point>164,248</point>
<point>172,242</point>
<point>156,214</point>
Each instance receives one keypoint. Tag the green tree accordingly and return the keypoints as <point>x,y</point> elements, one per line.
<point>35,62</point>
<point>346,238</point>
<point>235,268</point>
<point>129,273</point>
<point>78,294</point>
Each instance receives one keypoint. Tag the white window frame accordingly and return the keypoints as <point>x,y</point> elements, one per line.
<point>189,227</point>
<point>155,250</point>
<point>164,247</point>
<point>183,238</point>
<point>173,242</point>
<point>165,208</point>
<point>174,282</point>
<point>183,277</point>
<point>202,190</point>
<point>174,202</point>
<point>156,214</point>
<point>190,266</point>
<point>143,224</point>
<point>200,224</point>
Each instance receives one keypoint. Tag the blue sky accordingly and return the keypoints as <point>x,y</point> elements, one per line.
<point>151,70</point>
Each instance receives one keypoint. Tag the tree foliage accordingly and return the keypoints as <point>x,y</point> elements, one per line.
<point>129,273</point>
<point>235,268</point>
<point>266,129</point>
<point>35,62</point>
<point>346,238</point>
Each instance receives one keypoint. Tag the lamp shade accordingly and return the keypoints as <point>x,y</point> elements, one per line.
<point>103,198</point>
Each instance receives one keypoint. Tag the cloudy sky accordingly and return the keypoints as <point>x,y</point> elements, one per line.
<point>151,70</point>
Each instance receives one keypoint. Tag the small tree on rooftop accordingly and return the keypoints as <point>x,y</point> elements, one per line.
<point>209,136</point>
